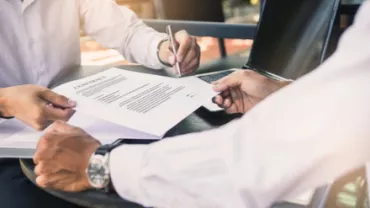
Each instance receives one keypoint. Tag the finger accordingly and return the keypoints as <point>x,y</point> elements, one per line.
<point>233,108</point>
<point>46,168</point>
<point>240,102</point>
<point>170,46</point>
<point>57,100</point>
<point>50,180</point>
<point>218,100</point>
<point>172,60</point>
<point>45,154</point>
<point>230,81</point>
<point>64,181</point>
<point>43,148</point>
<point>185,41</point>
<point>225,94</point>
<point>237,100</point>
<point>190,55</point>
<point>220,87</point>
<point>227,103</point>
<point>54,114</point>
<point>193,66</point>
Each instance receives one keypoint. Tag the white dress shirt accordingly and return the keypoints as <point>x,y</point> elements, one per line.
<point>40,39</point>
<point>303,136</point>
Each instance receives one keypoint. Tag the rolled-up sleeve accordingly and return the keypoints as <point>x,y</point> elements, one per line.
<point>119,28</point>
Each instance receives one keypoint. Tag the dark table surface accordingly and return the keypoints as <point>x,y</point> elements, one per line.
<point>199,121</point>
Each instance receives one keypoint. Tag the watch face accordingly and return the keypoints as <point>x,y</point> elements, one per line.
<point>97,172</point>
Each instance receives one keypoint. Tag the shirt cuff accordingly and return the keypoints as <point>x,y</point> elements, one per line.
<point>125,164</point>
<point>154,50</point>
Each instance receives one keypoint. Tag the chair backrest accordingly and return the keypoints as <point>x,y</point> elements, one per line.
<point>292,36</point>
<point>192,10</point>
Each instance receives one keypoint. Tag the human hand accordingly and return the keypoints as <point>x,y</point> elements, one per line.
<point>243,89</point>
<point>188,53</point>
<point>62,157</point>
<point>34,105</point>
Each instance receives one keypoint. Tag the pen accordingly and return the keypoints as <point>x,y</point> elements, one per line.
<point>174,50</point>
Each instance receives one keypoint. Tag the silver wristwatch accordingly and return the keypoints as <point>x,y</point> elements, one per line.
<point>98,170</point>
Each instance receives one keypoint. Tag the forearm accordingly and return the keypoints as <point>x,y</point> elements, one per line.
<point>119,28</point>
<point>185,171</point>
<point>142,45</point>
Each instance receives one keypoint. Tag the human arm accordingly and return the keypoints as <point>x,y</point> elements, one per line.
<point>303,136</point>
<point>34,105</point>
<point>119,28</point>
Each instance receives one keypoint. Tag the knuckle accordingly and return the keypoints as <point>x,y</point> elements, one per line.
<point>36,158</point>
<point>38,126</point>
<point>38,169</point>
<point>41,146</point>
<point>247,72</point>
<point>238,73</point>
<point>46,139</point>
<point>39,114</point>
<point>182,32</point>
<point>78,129</point>
<point>189,39</point>
<point>44,91</point>
<point>64,116</point>
<point>58,124</point>
<point>60,98</point>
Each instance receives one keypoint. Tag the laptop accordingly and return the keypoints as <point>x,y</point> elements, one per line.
<point>291,40</point>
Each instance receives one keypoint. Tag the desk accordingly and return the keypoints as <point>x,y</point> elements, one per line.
<point>199,121</point>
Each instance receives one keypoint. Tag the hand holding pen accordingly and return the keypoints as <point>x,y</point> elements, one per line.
<point>181,52</point>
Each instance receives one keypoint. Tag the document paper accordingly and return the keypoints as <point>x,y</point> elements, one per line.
<point>147,103</point>
<point>110,105</point>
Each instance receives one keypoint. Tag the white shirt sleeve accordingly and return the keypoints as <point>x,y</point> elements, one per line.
<point>303,136</point>
<point>119,28</point>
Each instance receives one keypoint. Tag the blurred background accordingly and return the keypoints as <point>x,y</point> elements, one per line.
<point>229,11</point>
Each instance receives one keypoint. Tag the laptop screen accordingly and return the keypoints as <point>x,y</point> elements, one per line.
<point>292,35</point>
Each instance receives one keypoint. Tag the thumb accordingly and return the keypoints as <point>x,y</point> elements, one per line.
<point>57,100</point>
<point>228,82</point>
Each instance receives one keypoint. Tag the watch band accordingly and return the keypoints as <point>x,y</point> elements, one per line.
<point>105,149</point>
<point>158,50</point>
<point>4,117</point>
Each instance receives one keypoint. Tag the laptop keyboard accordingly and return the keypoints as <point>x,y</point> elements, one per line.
<point>214,77</point>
